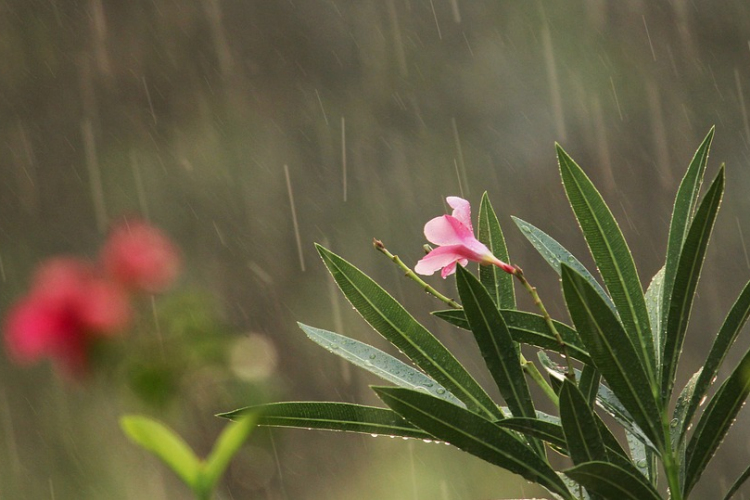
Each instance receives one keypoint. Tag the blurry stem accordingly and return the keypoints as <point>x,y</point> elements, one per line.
<point>518,273</point>
<point>413,276</point>
<point>532,371</point>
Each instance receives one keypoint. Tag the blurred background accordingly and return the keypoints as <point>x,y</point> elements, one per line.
<point>248,130</point>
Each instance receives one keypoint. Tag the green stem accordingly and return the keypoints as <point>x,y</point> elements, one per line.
<point>413,276</point>
<point>518,273</point>
<point>671,467</point>
<point>533,372</point>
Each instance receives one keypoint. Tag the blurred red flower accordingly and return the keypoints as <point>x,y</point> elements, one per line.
<point>140,257</point>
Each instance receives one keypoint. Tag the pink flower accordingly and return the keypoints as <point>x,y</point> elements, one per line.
<point>457,245</point>
<point>140,257</point>
<point>68,306</point>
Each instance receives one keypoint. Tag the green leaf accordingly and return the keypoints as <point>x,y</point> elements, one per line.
<point>612,353</point>
<point>685,282</point>
<point>644,458</point>
<point>678,422</point>
<point>738,483</point>
<point>546,431</point>
<point>473,434</point>
<point>612,481</point>
<point>229,442</point>
<point>579,425</point>
<point>378,362</point>
<point>684,206</point>
<point>612,257</point>
<point>555,254</point>
<point>499,284</point>
<point>654,304</point>
<point>394,323</point>
<point>589,383</point>
<point>163,442</point>
<point>731,327</point>
<point>716,421</point>
<point>527,328</point>
<point>331,417</point>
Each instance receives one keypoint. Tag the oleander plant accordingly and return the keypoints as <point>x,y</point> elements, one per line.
<point>618,355</point>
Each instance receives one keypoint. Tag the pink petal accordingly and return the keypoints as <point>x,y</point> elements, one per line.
<point>461,210</point>
<point>447,230</point>
<point>437,259</point>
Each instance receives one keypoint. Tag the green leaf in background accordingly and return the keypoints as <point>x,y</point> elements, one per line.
<point>393,322</point>
<point>685,202</point>
<point>579,426</point>
<point>731,327</point>
<point>612,353</point>
<point>612,481</point>
<point>527,328</point>
<point>227,445</point>
<point>332,417</point>
<point>685,282</point>
<point>163,442</point>
<point>378,362</point>
<point>738,483</point>
<point>473,434</point>
<point>555,254</point>
<point>499,284</point>
<point>654,305</point>
<point>716,421</point>
<point>612,257</point>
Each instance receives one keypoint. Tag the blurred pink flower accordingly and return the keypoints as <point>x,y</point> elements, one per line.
<point>67,307</point>
<point>457,245</point>
<point>140,257</point>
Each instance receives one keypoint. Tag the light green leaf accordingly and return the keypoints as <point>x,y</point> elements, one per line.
<point>678,422</point>
<point>163,442</point>
<point>716,421</point>
<point>612,481</point>
<point>612,353</point>
<point>331,417</point>
<point>555,254</point>
<point>579,426</point>
<point>528,328</point>
<point>731,327</point>
<point>394,323</point>
<point>499,284</point>
<point>612,257</point>
<point>378,362</point>
<point>473,434</point>
<point>227,445</point>
<point>685,282</point>
<point>654,304</point>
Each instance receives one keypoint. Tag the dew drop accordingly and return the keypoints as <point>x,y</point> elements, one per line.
<point>673,423</point>
<point>440,390</point>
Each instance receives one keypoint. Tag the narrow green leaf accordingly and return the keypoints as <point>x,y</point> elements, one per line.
<point>612,353</point>
<point>499,284</point>
<point>555,254</point>
<point>684,206</point>
<point>654,305</point>
<point>393,322</point>
<point>229,442</point>
<point>738,483</point>
<point>589,383</point>
<point>527,328</point>
<point>546,431</point>
<point>686,280</point>
<point>678,422</point>
<point>612,481</point>
<point>163,442</point>
<point>612,257</point>
<point>731,327</point>
<point>644,458</point>
<point>716,421</point>
<point>331,417</point>
<point>473,434</point>
<point>579,425</point>
<point>378,362</point>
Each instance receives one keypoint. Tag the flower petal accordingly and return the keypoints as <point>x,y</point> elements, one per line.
<point>461,210</point>
<point>447,230</point>
<point>438,258</point>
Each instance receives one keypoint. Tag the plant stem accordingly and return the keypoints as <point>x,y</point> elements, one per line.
<point>413,276</point>
<point>533,372</point>
<point>671,467</point>
<point>518,273</point>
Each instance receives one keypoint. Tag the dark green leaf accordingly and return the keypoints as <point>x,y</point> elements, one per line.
<point>589,383</point>
<point>613,258</point>
<point>738,483</point>
<point>612,353</point>
<point>731,327</point>
<point>473,434</point>
<point>332,417</point>
<point>716,421</point>
<point>612,481</point>
<point>686,280</point>
<point>394,323</point>
<point>546,431</point>
<point>579,425</point>
<point>555,254</point>
<point>527,328</point>
<point>378,362</point>
<point>499,284</point>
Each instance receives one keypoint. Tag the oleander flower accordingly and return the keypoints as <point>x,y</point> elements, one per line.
<point>140,257</point>
<point>69,305</point>
<point>457,245</point>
